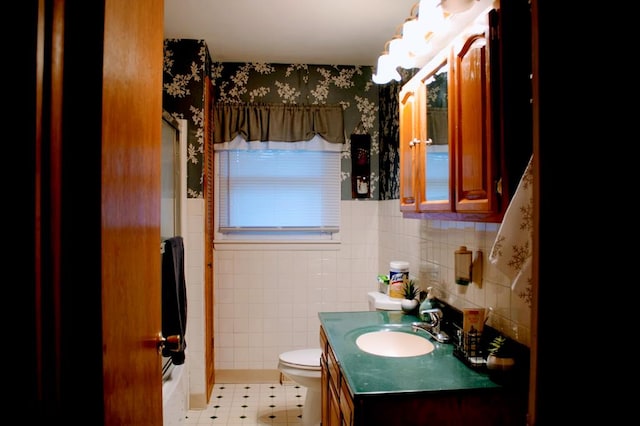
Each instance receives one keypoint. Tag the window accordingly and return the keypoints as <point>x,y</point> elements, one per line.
<point>278,190</point>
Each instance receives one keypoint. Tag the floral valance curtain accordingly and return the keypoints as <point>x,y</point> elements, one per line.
<point>278,122</point>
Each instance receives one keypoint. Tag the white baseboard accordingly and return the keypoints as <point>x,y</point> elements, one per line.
<point>249,376</point>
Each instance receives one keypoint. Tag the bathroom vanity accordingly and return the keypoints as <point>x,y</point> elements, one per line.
<point>360,388</point>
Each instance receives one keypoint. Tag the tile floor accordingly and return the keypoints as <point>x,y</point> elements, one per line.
<point>252,405</point>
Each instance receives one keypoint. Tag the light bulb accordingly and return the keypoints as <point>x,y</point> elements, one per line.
<point>399,51</point>
<point>413,34</point>
<point>455,6</point>
<point>386,70</point>
<point>430,16</point>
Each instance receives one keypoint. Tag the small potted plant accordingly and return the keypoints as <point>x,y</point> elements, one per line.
<point>411,295</point>
<point>500,357</point>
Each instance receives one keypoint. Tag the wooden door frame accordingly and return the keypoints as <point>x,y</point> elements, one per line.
<point>209,178</point>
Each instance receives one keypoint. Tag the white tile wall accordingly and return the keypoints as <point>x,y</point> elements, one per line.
<point>429,246</point>
<point>266,302</point>
<point>194,277</point>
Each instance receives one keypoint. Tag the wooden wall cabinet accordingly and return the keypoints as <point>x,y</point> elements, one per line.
<point>465,123</point>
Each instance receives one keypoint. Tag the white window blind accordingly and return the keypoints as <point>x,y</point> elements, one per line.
<point>273,191</point>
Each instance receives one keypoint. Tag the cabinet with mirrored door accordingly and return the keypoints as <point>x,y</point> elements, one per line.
<point>465,124</point>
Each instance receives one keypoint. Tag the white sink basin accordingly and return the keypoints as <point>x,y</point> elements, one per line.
<point>394,344</point>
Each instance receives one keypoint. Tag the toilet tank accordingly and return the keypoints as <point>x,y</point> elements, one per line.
<point>382,302</point>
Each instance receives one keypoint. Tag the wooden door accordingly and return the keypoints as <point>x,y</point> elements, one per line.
<point>94,214</point>
<point>130,211</point>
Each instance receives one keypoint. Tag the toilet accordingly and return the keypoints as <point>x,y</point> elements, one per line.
<point>382,302</point>
<point>303,367</point>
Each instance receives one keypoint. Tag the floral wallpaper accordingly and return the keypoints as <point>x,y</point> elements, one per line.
<point>389,136</point>
<point>186,63</point>
<point>368,108</point>
<point>348,86</point>
<point>389,116</point>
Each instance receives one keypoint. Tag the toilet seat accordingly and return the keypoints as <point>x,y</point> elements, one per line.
<point>305,359</point>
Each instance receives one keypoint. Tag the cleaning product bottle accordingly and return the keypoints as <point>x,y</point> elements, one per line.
<point>398,275</point>
<point>427,303</point>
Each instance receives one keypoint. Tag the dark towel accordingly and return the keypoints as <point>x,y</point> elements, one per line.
<point>174,298</point>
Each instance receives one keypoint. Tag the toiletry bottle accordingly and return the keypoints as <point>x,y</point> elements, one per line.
<point>427,303</point>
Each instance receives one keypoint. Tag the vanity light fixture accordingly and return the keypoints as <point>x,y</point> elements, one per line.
<point>410,48</point>
<point>399,51</point>
<point>432,16</point>
<point>456,6</point>
<point>412,43</point>
<point>386,70</point>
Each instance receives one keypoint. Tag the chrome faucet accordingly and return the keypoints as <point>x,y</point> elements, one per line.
<point>432,327</point>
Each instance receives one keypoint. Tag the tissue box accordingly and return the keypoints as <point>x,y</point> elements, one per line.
<point>472,320</point>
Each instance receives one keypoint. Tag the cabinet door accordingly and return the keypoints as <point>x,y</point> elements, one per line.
<point>324,382</point>
<point>334,408</point>
<point>346,404</point>
<point>473,132</point>
<point>330,397</point>
<point>435,163</point>
<point>409,147</point>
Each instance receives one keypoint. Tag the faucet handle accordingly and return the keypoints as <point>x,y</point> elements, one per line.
<point>434,315</point>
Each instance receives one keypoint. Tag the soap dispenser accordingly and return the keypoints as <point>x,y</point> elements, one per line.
<point>427,303</point>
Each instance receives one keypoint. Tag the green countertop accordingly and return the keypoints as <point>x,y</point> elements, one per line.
<point>437,371</point>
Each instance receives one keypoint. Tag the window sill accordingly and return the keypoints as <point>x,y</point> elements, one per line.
<point>230,245</point>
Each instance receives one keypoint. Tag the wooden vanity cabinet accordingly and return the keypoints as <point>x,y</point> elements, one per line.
<point>477,407</point>
<point>488,117</point>
<point>337,405</point>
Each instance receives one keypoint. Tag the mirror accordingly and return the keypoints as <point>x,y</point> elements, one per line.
<point>437,147</point>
